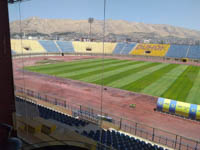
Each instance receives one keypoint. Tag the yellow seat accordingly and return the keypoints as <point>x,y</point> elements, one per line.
<point>47,126</point>
<point>28,125</point>
<point>26,46</point>
<point>94,47</point>
<point>150,49</point>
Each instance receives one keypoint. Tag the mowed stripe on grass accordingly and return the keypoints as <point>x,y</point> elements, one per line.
<point>79,67</point>
<point>135,76</point>
<point>46,67</point>
<point>147,80</point>
<point>194,94</point>
<point>96,77</point>
<point>161,85</point>
<point>106,69</point>
<point>181,87</point>
<point>76,73</point>
<point>121,75</point>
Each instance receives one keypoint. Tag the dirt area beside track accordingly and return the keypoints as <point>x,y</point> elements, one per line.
<point>115,101</point>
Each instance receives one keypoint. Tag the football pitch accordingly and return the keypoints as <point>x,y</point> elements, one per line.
<point>174,81</point>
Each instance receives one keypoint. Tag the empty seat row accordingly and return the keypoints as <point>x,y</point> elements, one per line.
<point>194,52</point>
<point>123,48</point>
<point>120,141</point>
<point>49,46</point>
<point>65,46</point>
<point>51,114</point>
<point>177,51</point>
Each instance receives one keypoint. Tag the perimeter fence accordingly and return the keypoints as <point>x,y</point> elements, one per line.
<point>135,128</point>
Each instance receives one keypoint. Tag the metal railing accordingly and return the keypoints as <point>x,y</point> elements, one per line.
<point>135,128</point>
<point>153,58</point>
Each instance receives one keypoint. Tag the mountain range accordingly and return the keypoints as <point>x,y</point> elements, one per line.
<point>113,27</point>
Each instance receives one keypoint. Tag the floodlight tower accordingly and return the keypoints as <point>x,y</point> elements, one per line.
<point>90,21</point>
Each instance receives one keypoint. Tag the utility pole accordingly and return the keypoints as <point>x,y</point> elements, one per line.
<point>90,21</point>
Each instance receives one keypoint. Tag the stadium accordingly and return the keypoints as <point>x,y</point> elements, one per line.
<point>105,95</point>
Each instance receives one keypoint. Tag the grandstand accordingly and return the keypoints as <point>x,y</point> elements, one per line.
<point>26,46</point>
<point>120,140</point>
<point>50,46</point>
<point>65,46</point>
<point>49,125</point>
<point>123,48</point>
<point>194,52</point>
<point>93,47</point>
<point>150,50</point>
<point>177,51</point>
<point>49,122</point>
<point>133,49</point>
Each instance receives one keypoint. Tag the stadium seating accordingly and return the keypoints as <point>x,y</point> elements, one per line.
<point>48,113</point>
<point>22,107</point>
<point>177,51</point>
<point>127,48</point>
<point>65,47</point>
<point>115,139</point>
<point>194,52</point>
<point>51,114</point>
<point>150,49</point>
<point>123,48</point>
<point>160,50</point>
<point>93,47</point>
<point>26,46</point>
<point>119,140</point>
<point>118,48</point>
<point>50,46</point>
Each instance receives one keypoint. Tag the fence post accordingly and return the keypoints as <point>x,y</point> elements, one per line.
<point>120,123</point>
<point>175,142</point>
<point>135,128</point>
<point>92,111</point>
<point>56,102</point>
<point>196,145</point>
<point>38,95</point>
<point>146,135</point>
<point>180,142</point>
<point>153,134</point>
<point>65,104</point>
<point>80,109</point>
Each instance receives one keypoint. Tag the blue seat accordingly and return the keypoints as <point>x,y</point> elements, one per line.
<point>123,48</point>
<point>50,46</point>
<point>194,52</point>
<point>120,141</point>
<point>177,51</point>
<point>65,46</point>
<point>51,114</point>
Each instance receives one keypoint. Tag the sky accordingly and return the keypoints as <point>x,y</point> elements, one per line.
<point>182,13</point>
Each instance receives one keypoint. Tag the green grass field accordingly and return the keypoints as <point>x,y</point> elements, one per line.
<point>174,81</point>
